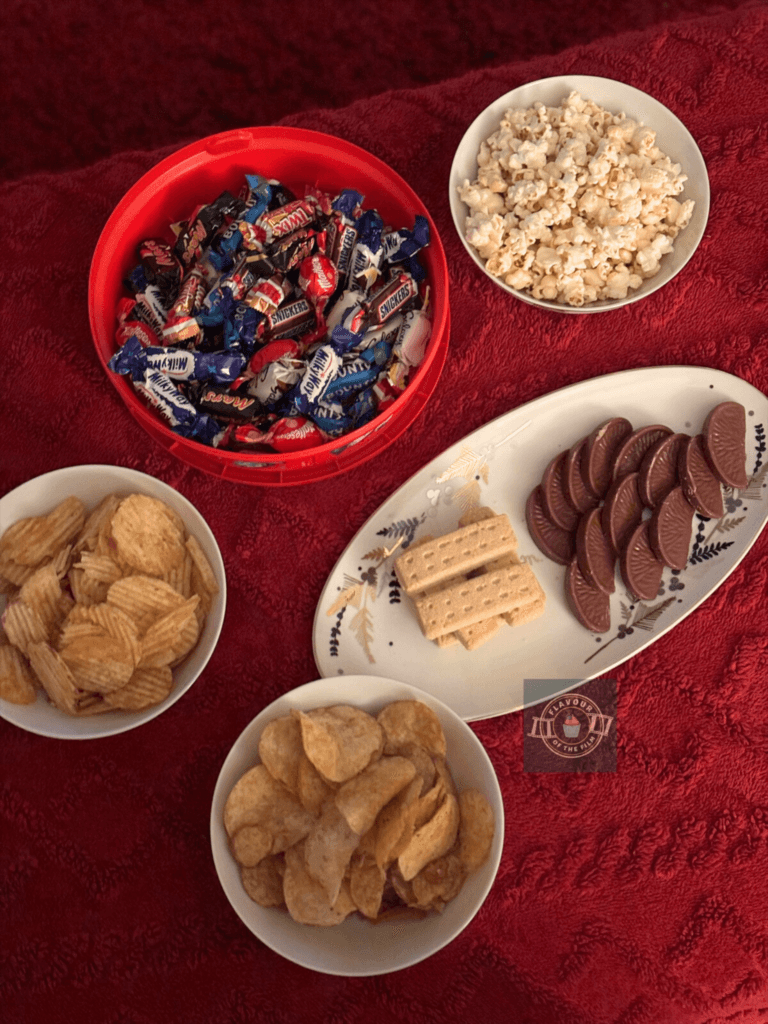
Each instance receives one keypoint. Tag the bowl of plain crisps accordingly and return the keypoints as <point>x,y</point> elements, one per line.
<point>357,825</point>
<point>112,593</point>
<point>579,194</point>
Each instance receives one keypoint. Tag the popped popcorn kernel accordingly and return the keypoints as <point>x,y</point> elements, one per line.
<point>573,203</point>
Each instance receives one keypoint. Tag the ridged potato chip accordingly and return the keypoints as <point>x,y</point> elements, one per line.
<point>97,526</point>
<point>55,677</point>
<point>23,626</point>
<point>100,663</point>
<point>145,688</point>
<point>107,599</point>
<point>147,536</point>
<point>42,592</point>
<point>17,684</point>
<point>145,599</point>
<point>172,637</point>
<point>33,540</point>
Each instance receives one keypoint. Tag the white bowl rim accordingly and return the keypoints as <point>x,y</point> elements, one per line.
<point>317,693</point>
<point>128,480</point>
<point>582,84</point>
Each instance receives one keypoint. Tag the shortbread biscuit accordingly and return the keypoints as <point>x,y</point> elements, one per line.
<point>470,601</point>
<point>455,554</point>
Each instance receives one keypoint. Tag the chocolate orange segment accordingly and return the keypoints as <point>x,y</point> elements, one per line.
<point>622,511</point>
<point>556,505</point>
<point>724,434</point>
<point>589,604</point>
<point>641,570</point>
<point>700,485</point>
<point>658,470</point>
<point>631,453</point>
<point>594,553</point>
<point>670,529</point>
<point>602,445</point>
<point>550,539</point>
<point>576,490</point>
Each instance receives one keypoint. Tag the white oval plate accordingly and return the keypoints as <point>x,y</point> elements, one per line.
<point>364,624</point>
<point>92,483</point>
<point>357,947</point>
<point>672,137</point>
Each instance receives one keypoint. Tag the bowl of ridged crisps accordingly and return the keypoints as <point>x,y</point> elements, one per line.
<point>357,825</point>
<point>112,594</point>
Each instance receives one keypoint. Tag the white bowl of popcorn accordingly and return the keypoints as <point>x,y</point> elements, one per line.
<point>112,599</point>
<point>579,194</point>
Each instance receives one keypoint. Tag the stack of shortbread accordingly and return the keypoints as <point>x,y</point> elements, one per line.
<point>467,584</point>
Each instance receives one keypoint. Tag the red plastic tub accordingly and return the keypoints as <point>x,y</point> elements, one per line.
<point>197,174</point>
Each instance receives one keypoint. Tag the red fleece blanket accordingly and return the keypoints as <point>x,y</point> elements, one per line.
<point>639,896</point>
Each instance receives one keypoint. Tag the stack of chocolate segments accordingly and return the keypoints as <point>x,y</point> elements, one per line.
<point>629,496</point>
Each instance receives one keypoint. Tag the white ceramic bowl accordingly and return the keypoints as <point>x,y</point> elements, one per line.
<point>357,947</point>
<point>672,137</point>
<point>91,484</point>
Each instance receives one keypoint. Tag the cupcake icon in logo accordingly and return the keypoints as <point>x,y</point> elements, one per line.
<point>571,726</point>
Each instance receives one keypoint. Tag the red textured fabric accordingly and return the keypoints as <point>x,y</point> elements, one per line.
<point>637,897</point>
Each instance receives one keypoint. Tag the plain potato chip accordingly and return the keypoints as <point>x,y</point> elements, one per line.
<point>422,762</point>
<point>366,884</point>
<point>146,688</point>
<point>251,844</point>
<point>258,799</point>
<point>432,840</point>
<point>17,684</point>
<point>476,829</point>
<point>395,824</point>
<point>361,798</point>
<point>306,898</point>
<point>313,790</point>
<point>264,882</point>
<point>411,721</point>
<point>438,882</point>
<point>280,749</point>
<point>386,841</point>
<point>147,536</point>
<point>340,741</point>
<point>327,849</point>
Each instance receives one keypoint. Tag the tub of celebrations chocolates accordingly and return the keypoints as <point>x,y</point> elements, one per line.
<point>271,304</point>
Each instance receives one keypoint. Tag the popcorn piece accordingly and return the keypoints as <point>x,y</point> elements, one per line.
<point>574,203</point>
